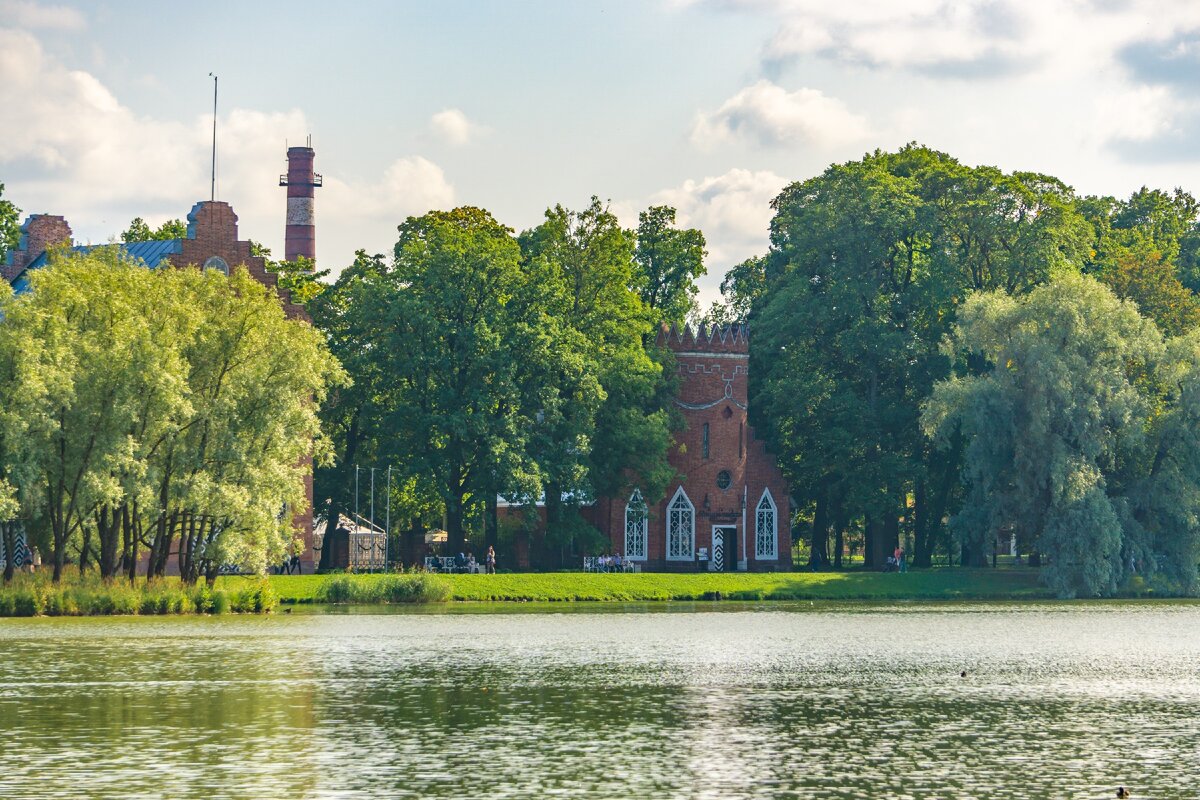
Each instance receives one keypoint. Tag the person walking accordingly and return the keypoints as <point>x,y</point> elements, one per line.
<point>491,560</point>
<point>900,562</point>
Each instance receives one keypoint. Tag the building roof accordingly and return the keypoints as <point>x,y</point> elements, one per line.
<point>150,253</point>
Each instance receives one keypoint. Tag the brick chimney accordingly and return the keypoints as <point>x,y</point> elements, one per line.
<point>39,233</point>
<point>300,238</point>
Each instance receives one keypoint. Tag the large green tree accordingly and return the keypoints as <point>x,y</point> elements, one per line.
<point>868,264</point>
<point>668,262</point>
<point>1059,408</point>
<point>451,350</point>
<point>601,424</point>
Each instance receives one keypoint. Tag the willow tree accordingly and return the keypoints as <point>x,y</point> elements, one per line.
<point>171,403</point>
<point>1050,422</point>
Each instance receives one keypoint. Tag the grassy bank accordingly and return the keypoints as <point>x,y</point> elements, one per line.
<point>36,595</point>
<point>937,584</point>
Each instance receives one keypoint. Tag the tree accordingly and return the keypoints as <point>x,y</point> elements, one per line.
<point>168,405</point>
<point>596,391</point>
<point>1048,422</point>
<point>139,231</point>
<point>10,225</point>
<point>1142,249</point>
<point>669,260</point>
<point>299,278</point>
<point>445,326</point>
<point>868,265</point>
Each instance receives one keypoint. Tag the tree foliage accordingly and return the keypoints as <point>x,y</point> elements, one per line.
<point>139,231</point>
<point>10,225</point>
<point>668,262</point>
<point>159,406</point>
<point>868,265</point>
<point>1050,422</point>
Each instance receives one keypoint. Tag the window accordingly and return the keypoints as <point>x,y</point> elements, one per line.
<point>681,528</point>
<point>217,263</point>
<point>704,441</point>
<point>724,479</point>
<point>765,528</point>
<point>635,527</point>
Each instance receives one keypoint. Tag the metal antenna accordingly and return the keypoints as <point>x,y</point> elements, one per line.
<point>213,195</point>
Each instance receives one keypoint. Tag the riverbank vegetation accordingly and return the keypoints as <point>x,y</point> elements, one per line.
<point>75,596</point>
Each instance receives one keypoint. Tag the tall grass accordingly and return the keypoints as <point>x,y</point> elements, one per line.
<point>75,596</point>
<point>383,589</point>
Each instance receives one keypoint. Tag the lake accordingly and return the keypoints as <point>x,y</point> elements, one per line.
<point>679,701</point>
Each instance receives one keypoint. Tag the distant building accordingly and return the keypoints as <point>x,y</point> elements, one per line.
<point>728,508</point>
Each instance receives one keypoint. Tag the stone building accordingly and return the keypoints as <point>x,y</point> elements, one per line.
<point>728,509</point>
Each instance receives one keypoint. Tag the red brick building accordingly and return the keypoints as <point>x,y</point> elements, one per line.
<point>729,508</point>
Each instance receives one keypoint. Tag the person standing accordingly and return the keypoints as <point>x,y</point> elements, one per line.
<point>491,560</point>
<point>900,563</point>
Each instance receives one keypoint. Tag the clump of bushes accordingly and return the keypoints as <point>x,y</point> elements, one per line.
<point>74,596</point>
<point>384,589</point>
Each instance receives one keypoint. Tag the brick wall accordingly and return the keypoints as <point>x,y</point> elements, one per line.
<point>40,232</point>
<point>713,391</point>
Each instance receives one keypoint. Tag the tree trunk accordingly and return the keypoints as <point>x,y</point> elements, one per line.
<point>84,549</point>
<point>108,528</point>
<point>818,557</point>
<point>454,521</point>
<point>491,532</point>
<point>839,541</point>
<point>891,534</point>
<point>922,528</point>
<point>9,539</point>
<point>872,544</point>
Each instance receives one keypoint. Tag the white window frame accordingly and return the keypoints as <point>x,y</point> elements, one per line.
<point>759,553</point>
<point>637,504</point>
<point>684,508</point>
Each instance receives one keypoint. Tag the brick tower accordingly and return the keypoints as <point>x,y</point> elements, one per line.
<point>300,238</point>
<point>729,508</point>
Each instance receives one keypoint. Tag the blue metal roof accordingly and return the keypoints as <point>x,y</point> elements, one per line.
<point>149,253</point>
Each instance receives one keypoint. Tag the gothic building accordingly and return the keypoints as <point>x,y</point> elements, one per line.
<point>728,509</point>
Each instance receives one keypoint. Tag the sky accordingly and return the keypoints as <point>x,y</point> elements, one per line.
<point>711,106</point>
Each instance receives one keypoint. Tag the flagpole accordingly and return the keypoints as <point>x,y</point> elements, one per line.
<point>213,187</point>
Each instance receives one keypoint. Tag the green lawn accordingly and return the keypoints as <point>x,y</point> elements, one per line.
<point>935,584</point>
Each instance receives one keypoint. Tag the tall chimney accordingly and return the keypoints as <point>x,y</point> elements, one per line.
<point>300,238</point>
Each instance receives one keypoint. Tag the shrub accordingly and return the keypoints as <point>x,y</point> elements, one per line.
<point>220,602</point>
<point>372,589</point>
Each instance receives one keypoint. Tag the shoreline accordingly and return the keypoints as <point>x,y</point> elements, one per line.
<point>549,591</point>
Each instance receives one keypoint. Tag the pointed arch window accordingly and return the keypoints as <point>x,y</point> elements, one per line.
<point>681,528</point>
<point>635,527</point>
<point>766,528</point>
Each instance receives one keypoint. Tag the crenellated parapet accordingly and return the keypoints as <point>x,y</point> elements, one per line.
<point>705,339</point>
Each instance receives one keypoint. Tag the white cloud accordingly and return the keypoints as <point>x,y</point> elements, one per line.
<point>963,38</point>
<point>79,152</point>
<point>453,127</point>
<point>774,116</point>
<point>27,14</point>
<point>733,210</point>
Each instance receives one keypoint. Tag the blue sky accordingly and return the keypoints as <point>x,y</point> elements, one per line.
<point>710,105</point>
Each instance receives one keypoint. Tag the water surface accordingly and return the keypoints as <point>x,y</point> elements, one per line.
<point>791,701</point>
